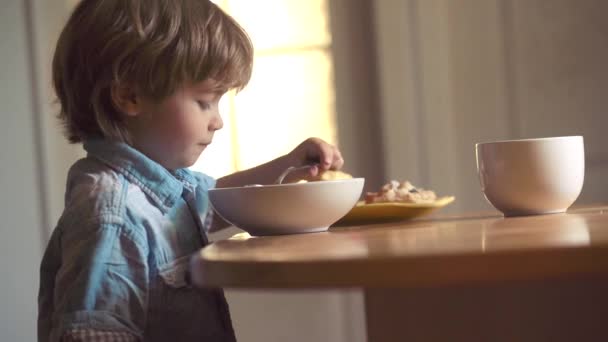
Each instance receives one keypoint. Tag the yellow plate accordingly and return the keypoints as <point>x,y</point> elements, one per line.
<point>388,212</point>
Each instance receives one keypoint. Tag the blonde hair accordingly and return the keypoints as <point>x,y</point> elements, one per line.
<point>153,45</point>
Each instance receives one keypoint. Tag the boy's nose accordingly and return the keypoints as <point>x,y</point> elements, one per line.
<point>216,123</point>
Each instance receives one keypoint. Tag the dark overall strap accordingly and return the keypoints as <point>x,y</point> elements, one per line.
<point>222,304</point>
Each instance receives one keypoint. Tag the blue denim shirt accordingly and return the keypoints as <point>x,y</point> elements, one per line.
<point>118,258</point>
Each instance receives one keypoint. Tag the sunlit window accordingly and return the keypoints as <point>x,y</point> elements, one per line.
<point>291,93</point>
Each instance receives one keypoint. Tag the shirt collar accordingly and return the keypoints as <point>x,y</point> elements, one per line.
<point>162,186</point>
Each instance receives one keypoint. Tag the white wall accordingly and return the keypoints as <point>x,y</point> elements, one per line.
<point>56,154</point>
<point>21,201</point>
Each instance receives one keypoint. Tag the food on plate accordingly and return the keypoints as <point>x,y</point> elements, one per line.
<point>404,192</point>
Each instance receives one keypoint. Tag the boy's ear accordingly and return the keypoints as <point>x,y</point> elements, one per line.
<point>125,98</point>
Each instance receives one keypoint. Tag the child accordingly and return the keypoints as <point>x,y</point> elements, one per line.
<point>139,83</point>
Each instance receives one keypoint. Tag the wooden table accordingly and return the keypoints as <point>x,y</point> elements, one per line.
<point>482,277</point>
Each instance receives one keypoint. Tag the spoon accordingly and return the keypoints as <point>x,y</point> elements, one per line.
<point>284,174</point>
<point>290,169</point>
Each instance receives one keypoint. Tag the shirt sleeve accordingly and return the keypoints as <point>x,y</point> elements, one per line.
<point>102,283</point>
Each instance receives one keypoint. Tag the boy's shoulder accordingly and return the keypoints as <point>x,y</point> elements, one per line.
<point>100,197</point>
<point>94,191</point>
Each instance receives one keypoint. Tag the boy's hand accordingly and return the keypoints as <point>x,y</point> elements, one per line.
<point>315,150</point>
<point>311,151</point>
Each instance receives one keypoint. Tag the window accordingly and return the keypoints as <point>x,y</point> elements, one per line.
<point>291,94</point>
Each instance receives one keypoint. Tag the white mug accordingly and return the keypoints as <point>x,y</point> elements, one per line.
<point>532,176</point>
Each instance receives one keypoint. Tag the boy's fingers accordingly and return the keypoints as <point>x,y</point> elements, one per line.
<point>338,160</point>
<point>326,156</point>
<point>313,171</point>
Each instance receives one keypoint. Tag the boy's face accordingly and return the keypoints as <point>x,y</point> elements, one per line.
<point>175,131</point>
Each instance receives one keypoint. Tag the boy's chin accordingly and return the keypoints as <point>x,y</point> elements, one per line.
<point>186,164</point>
<point>180,164</point>
<point>185,159</point>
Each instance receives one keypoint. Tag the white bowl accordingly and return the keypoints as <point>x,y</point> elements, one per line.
<point>532,176</point>
<point>287,208</point>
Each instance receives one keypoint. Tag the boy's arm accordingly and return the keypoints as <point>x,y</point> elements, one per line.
<point>311,151</point>
<point>102,284</point>
<point>261,174</point>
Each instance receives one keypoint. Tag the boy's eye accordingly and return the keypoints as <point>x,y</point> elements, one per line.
<point>204,105</point>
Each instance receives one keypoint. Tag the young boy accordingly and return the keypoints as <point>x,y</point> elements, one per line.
<point>139,83</point>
